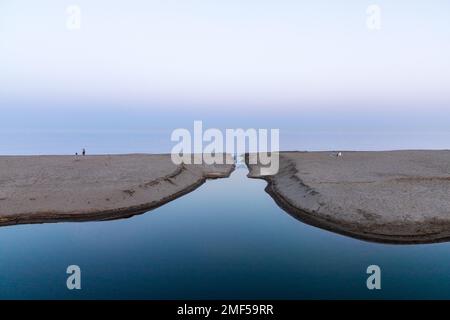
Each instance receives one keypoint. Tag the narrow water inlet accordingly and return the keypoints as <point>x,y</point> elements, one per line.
<point>239,245</point>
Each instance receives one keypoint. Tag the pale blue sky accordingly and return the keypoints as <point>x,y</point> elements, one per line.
<point>301,66</point>
<point>292,54</point>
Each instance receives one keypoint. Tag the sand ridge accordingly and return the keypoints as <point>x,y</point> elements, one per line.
<point>391,196</point>
<point>36,189</point>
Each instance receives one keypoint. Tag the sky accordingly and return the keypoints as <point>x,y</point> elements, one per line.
<point>286,64</point>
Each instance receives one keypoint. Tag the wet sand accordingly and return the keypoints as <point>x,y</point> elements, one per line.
<point>389,197</point>
<point>38,189</point>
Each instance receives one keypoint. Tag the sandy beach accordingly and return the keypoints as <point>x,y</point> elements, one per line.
<point>391,197</point>
<point>37,189</point>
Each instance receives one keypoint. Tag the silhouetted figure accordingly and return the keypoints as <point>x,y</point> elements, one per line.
<point>84,152</point>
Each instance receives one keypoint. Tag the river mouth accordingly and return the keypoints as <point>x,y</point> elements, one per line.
<point>236,245</point>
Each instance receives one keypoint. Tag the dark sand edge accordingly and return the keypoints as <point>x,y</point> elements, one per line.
<point>346,229</point>
<point>110,215</point>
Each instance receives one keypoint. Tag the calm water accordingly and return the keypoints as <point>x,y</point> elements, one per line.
<point>227,239</point>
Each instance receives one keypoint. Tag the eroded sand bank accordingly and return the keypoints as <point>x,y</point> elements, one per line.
<point>36,189</point>
<point>392,197</point>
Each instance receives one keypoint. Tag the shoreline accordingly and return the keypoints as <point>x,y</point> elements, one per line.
<point>177,183</point>
<point>354,229</point>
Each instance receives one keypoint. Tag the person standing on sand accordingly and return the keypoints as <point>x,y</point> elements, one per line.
<point>84,152</point>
